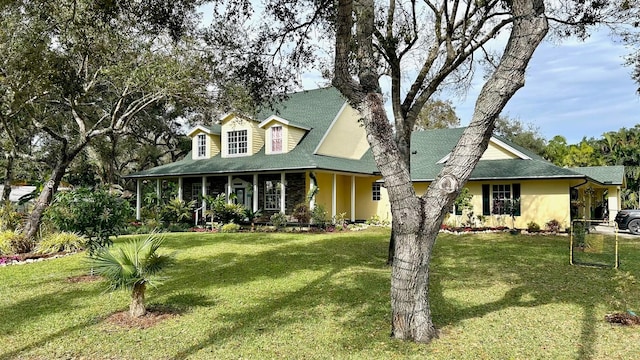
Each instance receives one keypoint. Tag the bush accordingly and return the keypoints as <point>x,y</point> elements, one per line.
<point>94,213</point>
<point>279,220</point>
<point>319,216</point>
<point>222,212</point>
<point>62,241</point>
<point>579,232</point>
<point>10,218</point>
<point>178,211</point>
<point>301,213</point>
<point>553,226</point>
<point>533,227</point>
<point>13,242</point>
<point>230,228</point>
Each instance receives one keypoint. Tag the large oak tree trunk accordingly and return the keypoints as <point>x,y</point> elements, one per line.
<point>137,307</point>
<point>416,220</point>
<point>44,199</point>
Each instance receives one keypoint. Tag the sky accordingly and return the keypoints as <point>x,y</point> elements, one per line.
<point>574,89</point>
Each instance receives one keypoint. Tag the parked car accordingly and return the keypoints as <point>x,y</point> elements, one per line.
<point>629,220</point>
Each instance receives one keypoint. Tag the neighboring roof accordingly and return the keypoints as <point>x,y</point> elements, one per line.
<point>313,110</point>
<point>606,175</point>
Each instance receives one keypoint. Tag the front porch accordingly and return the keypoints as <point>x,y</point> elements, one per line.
<point>338,193</point>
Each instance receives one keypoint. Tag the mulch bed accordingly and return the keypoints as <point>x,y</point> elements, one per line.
<point>153,316</point>
<point>623,319</point>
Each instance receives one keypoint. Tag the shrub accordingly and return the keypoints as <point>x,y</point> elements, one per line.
<point>178,211</point>
<point>279,220</point>
<point>14,242</point>
<point>340,220</point>
<point>319,215</point>
<point>230,228</point>
<point>579,232</point>
<point>222,212</point>
<point>10,218</point>
<point>301,213</point>
<point>62,241</point>
<point>376,221</point>
<point>94,213</point>
<point>533,227</point>
<point>553,225</point>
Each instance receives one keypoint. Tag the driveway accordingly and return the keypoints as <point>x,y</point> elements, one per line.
<point>605,229</point>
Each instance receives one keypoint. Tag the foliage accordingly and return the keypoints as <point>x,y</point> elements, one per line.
<point>375,220</point>
<point>220,211</point>
<point>302,213</point>
<point>279,220</point>
<point>10,218</point>
<point>14,242</point>
<point>251,216</point>
<point>230,228</point>
<point>133,265</point>
<point>532,226</point>
<point>319,216</point>
<point>178,211</point>
<point>95,213</point>
<point>340,220</point>
<point>553,225</point>
<point>463,201</point>
<point>437,114</point>
<point>60,241</point>
<point>525,135</point>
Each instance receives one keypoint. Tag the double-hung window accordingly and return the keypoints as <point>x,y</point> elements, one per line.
<point>237,142</point>
<point>276,139</point>
<point>202,145</point>
<point>375,191</point>
<point>271,195</point>
<point>501,199</point>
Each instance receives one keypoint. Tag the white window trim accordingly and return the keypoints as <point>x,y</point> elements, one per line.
<point>376,189</point>
<point>273,151</point>
<point>228,149</point>
<point>198,146</point>
<point>275,187</point>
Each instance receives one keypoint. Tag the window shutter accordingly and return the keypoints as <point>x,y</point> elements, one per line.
<point>516,196</point>
<point>486,203</point>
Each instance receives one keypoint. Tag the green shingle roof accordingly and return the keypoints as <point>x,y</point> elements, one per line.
<point>313,109</point>
<point>606,175</point>
<point>316,110</point>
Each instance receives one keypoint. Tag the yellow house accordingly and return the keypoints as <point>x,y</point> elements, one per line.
<point>311,147</point>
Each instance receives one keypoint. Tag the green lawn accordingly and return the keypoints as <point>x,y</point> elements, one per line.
<point>325,296</point>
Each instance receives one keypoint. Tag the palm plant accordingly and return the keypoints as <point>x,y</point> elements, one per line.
<point>132,266</point>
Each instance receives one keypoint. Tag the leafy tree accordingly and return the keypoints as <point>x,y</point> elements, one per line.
<point>132,267</point>
<point>374,39</point>
<point>437,114</point>
<point>556,150</point>
<point>100,65</point>
<point>525,135</point>
<point>95,213</point>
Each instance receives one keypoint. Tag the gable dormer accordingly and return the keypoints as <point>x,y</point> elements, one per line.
<point>281,135</point>
<point>205,142</point>
<point>240,136</point>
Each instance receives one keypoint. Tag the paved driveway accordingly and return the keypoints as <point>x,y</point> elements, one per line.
<point>611,230</point>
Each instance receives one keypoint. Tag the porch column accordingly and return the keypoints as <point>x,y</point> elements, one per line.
<point>334,192</point>
<point>138,198</point>
<point>353,198</point>
<point>255,192</point>
<point>229,190</point>
<point>180,192</point>
<point>283,202</point>
<point>312,201</point>
<point>204,193</point>
<point>158,189</point>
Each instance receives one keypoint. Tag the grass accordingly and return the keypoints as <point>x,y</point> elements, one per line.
<point>327,296</point>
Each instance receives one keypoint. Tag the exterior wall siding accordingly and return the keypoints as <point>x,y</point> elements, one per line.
<point>345,130</point>
<point>495,152</point>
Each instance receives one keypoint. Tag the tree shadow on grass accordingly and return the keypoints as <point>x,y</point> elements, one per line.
<point>539,272</point>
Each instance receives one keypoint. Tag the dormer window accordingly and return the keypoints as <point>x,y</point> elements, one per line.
<point>276,139</point>
<point>202,145</point>
<point>237,142</point>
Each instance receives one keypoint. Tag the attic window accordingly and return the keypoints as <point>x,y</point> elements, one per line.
<point>237,142</point>
<point>202,145</point>
<point>276,139</point>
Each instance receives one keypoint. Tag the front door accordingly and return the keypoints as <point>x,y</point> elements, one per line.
<point>242,196</point>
